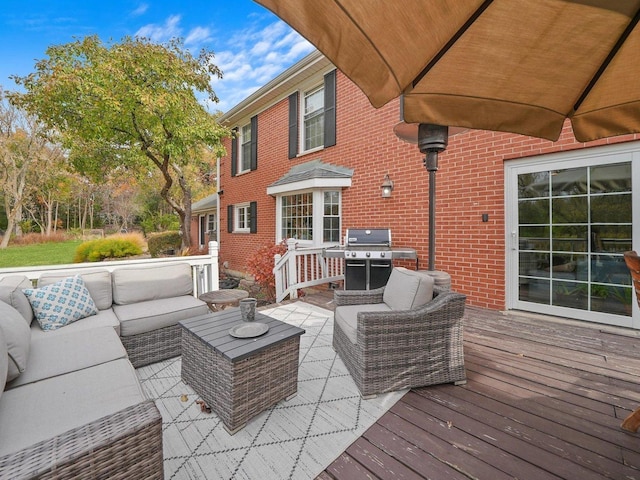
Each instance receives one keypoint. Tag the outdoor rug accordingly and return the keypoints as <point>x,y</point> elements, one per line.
<point>296,439</point>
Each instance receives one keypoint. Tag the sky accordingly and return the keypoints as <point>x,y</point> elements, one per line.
<point>251,45</point>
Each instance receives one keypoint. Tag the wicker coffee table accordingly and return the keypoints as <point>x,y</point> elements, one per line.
<point>239,377</point>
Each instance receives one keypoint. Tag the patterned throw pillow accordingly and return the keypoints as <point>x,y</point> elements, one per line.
<point>61,303</point>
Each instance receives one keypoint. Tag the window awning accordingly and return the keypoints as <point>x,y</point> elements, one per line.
<point>313,174</point>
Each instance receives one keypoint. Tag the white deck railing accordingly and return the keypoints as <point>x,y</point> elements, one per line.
<point>204,268</point>
<point>304,267</point>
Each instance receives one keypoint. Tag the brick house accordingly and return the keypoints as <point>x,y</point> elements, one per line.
<point>519,220</point>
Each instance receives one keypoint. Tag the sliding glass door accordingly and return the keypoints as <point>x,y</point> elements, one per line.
<point>570,219</point>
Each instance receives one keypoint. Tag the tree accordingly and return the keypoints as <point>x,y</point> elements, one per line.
<point>23,146</point>
<point>130,105</point>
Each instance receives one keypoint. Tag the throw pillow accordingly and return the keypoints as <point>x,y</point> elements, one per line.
<point>61,303</point>
<point>17,336</point>
<point>11,292</point>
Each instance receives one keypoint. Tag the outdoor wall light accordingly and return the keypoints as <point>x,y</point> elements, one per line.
<point>387,186</point>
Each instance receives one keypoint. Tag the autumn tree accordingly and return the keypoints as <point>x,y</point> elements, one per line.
<point>129,105</point>
<point>23,148</point>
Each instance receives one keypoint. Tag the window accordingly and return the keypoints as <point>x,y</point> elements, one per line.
<point>211,223</point>
<point>312,216</point>
<point>245,149</point>
<point>242,218</point>
<point>312,117</point>
<point>331,217</point>
<point>241,221</point>
<point>297,216</point>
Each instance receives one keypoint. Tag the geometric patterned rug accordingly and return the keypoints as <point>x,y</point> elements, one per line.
<point>295,439</point>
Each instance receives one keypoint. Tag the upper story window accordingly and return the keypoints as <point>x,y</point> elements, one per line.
<point>312,117</point>
<point>244,160</point>
<point>244,148</point>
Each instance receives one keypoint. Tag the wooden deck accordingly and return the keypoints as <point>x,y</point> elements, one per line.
<point>544,400</point>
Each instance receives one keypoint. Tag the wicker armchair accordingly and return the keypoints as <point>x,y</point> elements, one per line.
<point>402,348</point>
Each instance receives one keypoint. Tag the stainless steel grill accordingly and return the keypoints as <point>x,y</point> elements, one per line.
<point>368,254</point>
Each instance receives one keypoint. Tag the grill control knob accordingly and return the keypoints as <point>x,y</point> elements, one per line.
<point>368,254</point>
<point>353,254</point>
<point>382,254</point>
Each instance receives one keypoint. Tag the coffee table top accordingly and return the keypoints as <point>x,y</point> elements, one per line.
<point>213,329</point>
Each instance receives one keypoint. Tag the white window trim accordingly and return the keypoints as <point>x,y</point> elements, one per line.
<point>317,215</point>
<point>603,155</point>
<point>301,131</point>
<point>241,158</point>
<point>236,218</point>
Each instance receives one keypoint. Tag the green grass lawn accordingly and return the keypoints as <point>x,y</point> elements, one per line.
<point>38,254</point>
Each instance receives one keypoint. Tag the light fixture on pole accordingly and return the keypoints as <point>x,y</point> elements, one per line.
<point>387,186</point>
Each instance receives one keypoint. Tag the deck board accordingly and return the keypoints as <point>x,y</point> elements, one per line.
<point>544,399</point>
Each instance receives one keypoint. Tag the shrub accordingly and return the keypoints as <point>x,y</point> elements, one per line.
<point>115,246</point>
<point>260,266</point>
<point>162,243</point>
<point>35,238</point>
<point>156,222</point>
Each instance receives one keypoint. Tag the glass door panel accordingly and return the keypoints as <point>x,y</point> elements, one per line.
<point>573,227</point>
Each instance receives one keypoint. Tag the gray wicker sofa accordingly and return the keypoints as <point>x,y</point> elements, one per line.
<point>71,404</point>
<point>404,335</point>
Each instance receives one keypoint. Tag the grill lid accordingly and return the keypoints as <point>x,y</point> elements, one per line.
<point>358,237</point>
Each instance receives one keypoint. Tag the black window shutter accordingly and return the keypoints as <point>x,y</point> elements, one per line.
<point>234,152</point>
<point>254,143</point>
<point>253,217</point>
<point>229,218</point>
<point>293,125</point>
<point>330,109</point>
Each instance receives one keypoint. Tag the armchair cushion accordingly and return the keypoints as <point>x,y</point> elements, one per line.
<point>346,317</point>
<point>407,289</point>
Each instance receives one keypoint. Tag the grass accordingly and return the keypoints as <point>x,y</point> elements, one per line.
<point>38,254</point>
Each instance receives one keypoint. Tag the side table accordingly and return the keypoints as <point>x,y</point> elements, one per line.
<point>239,377</point>
<point>223,298</point>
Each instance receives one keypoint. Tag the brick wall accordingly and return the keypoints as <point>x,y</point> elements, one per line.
<point>470,182</point>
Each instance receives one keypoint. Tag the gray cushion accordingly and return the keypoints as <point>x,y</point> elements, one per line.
<point>98,282</point>
<point>4,361</point>
<point>55,355</point>
<point>17,336</point>
<point>346,317</point>
<point>132,285</point>
<point>11,293</point>
<point>144,317</point>
<point>43,410</point>
<point>104,318</point>
<point>406,289</point>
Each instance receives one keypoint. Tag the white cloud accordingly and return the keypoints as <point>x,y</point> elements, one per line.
<point>198,36</point>
<point>161,33</point>
<point>253,58</point>
<point>248,59</point>
<point>142,8</point>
